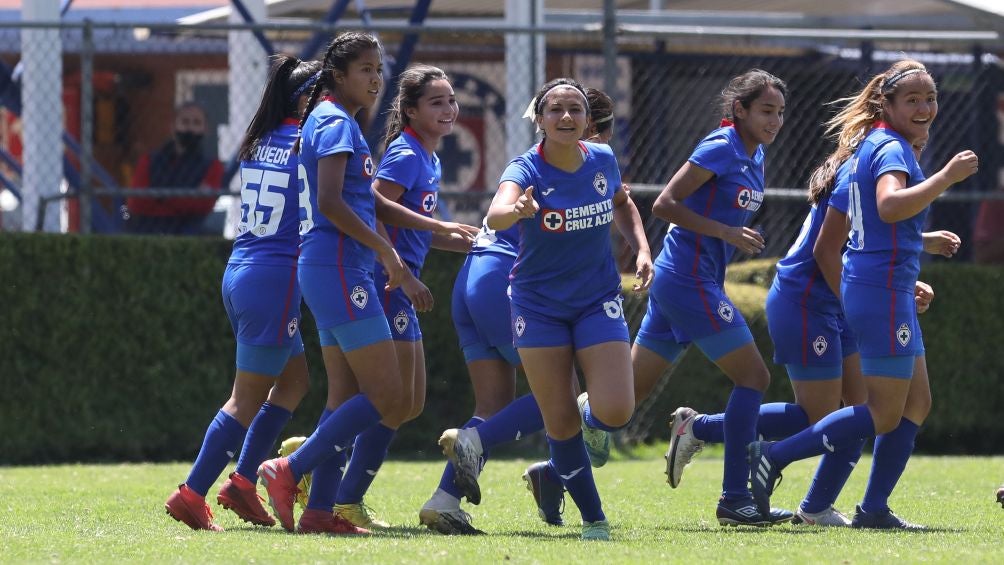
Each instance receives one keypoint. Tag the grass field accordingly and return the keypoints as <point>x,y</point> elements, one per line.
<point>115,513</point>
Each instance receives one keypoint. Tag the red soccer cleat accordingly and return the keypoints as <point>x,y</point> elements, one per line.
<point>185,505</point>
<point>240,495</point>
<point>280,484</point>
<point>320,522</point>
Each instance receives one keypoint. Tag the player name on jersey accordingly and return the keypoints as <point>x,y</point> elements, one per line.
<point>578,218</point>
<point>272,154</point>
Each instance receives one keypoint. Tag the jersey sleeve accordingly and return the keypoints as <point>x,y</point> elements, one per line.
<point>332,134</point>
<point>518,171</point>
<point>714,154</point>
<point>890,157</point>
<point>400,165</point>
<point>839,198</point>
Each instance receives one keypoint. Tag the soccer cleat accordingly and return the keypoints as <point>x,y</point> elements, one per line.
<point>744,512</point>
<point>463,448</point>
<point>240,496</point>
<point>598,530</point>
<point>286,448</point>
<point>682,444</point>
<point>280,484</point>
<point>314,521</point>
<point>830,517</point>
<point>185,505</point>
<point>883,520</point>
<point>547,493</point>
<point>451,522</point>
<point>597,441</point>
<point>764,474</point>
<point>359,515</point>
<point>1000,496</point>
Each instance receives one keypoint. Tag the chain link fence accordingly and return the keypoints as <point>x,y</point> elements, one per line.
<point>126,87</point>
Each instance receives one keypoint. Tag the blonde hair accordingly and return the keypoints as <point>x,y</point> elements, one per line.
<point>855,119</point>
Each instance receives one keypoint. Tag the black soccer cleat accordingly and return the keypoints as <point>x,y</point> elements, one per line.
<point>744,512</point>
<point>764,474</point>
<point>882,520</point>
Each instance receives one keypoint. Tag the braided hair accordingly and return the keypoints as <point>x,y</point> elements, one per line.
<point>342,50</point>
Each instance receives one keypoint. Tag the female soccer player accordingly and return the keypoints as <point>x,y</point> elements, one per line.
<point>338,210</point>
<point>812,340</point>
<point>709,202</point>
<point>262,299</point>
<point>888,202</point>
<point>564,287</point>
<point>421,115</point>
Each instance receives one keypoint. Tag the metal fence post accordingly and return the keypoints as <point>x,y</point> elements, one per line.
<point>610,53</point>
<point>86,125</point>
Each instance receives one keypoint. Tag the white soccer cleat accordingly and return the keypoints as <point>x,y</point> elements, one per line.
<point>682,444</point>
<point>830,517</point>
<point>462,446</point>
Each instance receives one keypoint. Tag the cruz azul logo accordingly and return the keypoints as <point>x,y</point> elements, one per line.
<point>429,201</point>
<point>579,218</point>
<point>368,166</point>
<point>748,199</point>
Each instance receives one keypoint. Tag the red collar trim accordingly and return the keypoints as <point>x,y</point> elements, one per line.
<point>290,122</point>
<point>881,125</point>
<point>582,149</point>
<point>727,123</point>
<point>330,98</point>
<point>411,131</point>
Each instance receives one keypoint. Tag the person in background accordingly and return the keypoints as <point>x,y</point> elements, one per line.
<point>179,164</point>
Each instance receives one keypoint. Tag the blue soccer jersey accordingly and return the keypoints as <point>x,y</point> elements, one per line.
<point>798,276</point>
<point>268,232</point>
<point>408,164</point>
<point>732,196</point>
<point>329,130</point>
<point>879,253</point>
<point>565,262</point>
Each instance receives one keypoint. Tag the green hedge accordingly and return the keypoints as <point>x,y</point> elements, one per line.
<point>118,348</point>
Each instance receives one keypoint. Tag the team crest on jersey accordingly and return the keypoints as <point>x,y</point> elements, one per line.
<point>429,201</point>
<point>519,325</point>
<point>600,184</point>
<point>401,322</point>
<point>903,335</point>
<point>748,199</point>
<point>360,297</point>
<point>725,311</point>
<point>367,166</point>
<point>291,327</point>
<point>552,220</point>
<point>819,346</point>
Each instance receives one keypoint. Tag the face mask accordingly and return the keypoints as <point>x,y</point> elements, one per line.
<point>188,140</point>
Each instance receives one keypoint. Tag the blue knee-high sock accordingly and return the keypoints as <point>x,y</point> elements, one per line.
<point>223,439</point>
<point>446,480</point>
<point>889,457</point>
<point>326,477</point>
<point>572,464</point>
<point>838,430</point>
<point>740,429</point>
<point>345,422</point>
<point>710,428</point>
<point>777,420</point>
<point>368,455</point>
<point>519,419</point>
<point>831,476</point>
<point>261,436</point>
<point>593,422</point>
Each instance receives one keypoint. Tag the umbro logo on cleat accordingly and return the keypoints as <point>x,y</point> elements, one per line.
<point>747,511</point>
